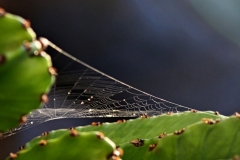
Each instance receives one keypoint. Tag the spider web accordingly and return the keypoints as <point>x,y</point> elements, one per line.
<point>81,91</point>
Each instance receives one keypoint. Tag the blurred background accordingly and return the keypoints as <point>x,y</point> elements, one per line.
<point>183,51</point>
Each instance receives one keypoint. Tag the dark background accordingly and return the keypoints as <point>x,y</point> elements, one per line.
<point>161,47</point>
